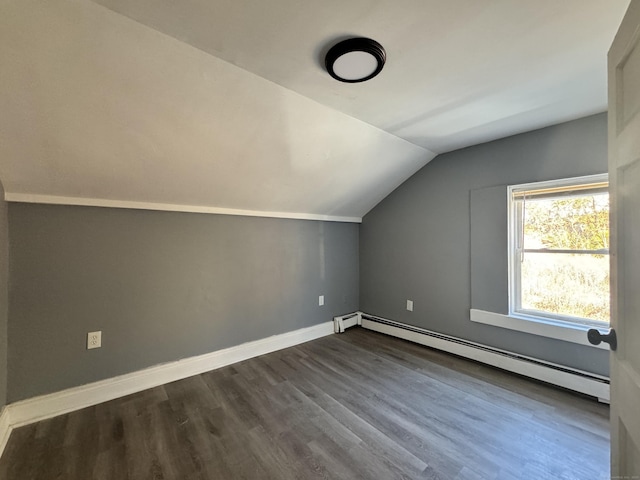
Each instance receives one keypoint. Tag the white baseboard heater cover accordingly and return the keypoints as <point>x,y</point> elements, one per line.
<point>340,324</point>
<point>572,379</point>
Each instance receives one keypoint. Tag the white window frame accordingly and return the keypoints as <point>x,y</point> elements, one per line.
<point>562,328</point>
<point>515,251</point>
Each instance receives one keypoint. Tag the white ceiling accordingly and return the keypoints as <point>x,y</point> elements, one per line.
<point>224,104</point>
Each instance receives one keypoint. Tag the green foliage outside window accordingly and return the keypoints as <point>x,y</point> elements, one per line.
<point>568,284</point>
<point>576,223</point>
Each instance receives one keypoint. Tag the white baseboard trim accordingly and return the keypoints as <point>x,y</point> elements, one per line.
<point>5,428</point>
<point>572,379</point>
<point>47,406</point>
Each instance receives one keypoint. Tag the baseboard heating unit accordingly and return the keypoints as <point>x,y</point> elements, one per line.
<point>346,321</point>
<point>572,379</point>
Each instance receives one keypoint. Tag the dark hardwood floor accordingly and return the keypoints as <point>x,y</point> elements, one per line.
<point>356,405</point>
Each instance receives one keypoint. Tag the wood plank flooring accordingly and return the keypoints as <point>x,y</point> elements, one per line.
<point>354,406</point>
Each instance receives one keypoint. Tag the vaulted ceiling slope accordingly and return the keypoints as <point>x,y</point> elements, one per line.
<point>224,106</point>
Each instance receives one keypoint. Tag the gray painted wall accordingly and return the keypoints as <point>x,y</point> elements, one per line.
<point>161,286</point>
<point>4,297</point>
<point>489,230</point>
<point>415,244</point>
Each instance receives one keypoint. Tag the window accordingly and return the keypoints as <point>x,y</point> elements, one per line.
<point>559,250</point>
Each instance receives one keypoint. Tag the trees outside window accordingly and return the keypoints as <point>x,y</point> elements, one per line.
<point>559,258</point>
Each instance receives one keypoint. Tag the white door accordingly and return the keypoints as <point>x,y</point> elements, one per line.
<point>624,178</point>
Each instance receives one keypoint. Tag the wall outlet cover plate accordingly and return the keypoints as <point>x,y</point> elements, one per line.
<point>94,340</point>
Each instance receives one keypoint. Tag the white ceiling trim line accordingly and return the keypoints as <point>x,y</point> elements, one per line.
<point>169,207</point>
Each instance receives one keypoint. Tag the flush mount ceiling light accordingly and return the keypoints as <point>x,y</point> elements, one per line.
<point>355,60</point>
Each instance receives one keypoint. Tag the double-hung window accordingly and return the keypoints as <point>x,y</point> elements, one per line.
<point>559,250</point>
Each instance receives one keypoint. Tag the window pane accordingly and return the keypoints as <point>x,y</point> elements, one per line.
<point>566,284</point>
<point>573,223</point>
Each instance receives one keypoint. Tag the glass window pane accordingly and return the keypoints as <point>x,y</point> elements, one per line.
<point>572,223</point>
<point>566,284</point>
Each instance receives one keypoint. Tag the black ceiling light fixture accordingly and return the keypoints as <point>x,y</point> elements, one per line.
<point>355,60</point>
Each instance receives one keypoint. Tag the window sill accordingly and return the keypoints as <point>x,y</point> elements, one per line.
<point>536,326</point>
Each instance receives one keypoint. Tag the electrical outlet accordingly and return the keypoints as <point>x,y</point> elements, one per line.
<point>94,340</point>
<point>321,300</point>
<point>410,305</point>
